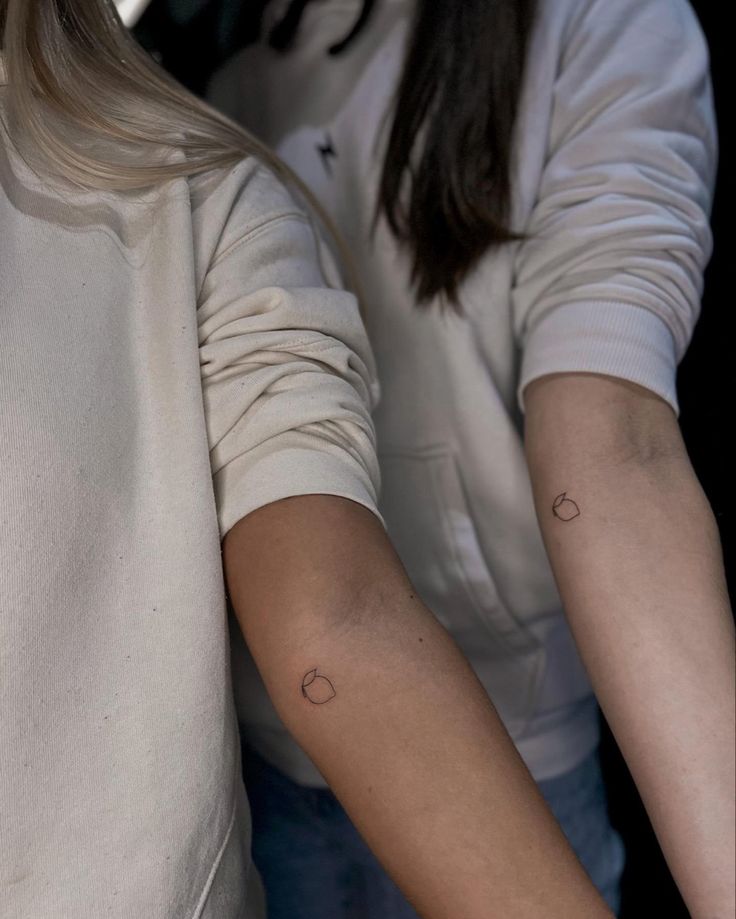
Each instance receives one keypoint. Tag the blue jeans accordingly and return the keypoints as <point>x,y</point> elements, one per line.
<point>314,864</point>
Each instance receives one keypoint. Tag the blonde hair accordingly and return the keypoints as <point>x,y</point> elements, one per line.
<point>86,104</point>
<point>72,63</point>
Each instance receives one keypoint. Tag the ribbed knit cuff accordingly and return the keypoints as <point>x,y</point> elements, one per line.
<point>606,337</point>
<point>244,485</point>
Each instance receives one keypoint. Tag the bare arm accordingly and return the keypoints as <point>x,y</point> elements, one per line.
<point>636,555</point>
<point>377,694</point>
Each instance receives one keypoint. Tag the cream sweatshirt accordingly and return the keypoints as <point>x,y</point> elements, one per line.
<point>168,363</point>
<point>614,161</point>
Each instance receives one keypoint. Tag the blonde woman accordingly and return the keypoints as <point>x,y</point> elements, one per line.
<point>175,369</point>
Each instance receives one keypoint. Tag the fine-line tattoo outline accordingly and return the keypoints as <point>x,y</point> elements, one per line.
<point>565,508</point>
<point>317,688</point>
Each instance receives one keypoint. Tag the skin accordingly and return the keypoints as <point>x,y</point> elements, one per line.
<point>641,575</point>
<point>410,743</point>
<point>398,723</point>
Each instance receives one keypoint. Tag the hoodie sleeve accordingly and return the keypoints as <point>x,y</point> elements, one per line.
<point>287,372</point>
<point>609,277</point>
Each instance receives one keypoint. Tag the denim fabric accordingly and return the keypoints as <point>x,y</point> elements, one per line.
<point>314,864</point>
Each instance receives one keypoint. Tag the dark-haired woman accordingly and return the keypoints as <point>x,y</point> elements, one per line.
<point>525,188</point>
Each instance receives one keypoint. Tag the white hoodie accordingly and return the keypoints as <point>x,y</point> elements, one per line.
<point>614,162</point>
<point>169,362</point>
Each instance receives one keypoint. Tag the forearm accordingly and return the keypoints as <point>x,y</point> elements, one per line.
<point>640,573</point>
<point>408,741</point>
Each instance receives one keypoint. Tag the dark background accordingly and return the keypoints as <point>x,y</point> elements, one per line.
<point>192,49</point>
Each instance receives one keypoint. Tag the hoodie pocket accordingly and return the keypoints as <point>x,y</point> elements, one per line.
<point>430,524</point>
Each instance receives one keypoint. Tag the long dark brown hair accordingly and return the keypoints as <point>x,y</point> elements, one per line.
<point>445,187</point>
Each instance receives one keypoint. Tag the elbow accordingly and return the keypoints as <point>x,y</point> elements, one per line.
<point>585,420</point>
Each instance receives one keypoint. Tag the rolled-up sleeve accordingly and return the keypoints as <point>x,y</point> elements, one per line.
<point>608,278</point>
<point>287,374</point>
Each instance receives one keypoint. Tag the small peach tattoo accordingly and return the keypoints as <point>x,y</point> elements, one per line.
<point>565,508</point>
<point>317,688</point>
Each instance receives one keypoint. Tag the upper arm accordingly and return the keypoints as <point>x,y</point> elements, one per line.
<point>609,277</point>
